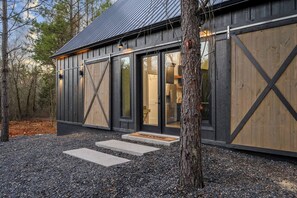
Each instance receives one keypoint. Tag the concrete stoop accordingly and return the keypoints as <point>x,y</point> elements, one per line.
<point>126,147</point>
<point>96,157</point>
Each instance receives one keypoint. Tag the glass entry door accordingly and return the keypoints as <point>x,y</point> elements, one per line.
<point>172,91</point>
<point>151,100</point>
<point>161,92</point>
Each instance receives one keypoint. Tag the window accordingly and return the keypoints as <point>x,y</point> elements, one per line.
<point>125,88</point>
<point>174,86</point>
<point>173,89</point>
<point>150,91</point>
<point>206,85</point>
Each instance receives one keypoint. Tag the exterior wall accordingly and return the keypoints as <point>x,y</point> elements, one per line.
<point>70,89</point>
<point>240,15</point>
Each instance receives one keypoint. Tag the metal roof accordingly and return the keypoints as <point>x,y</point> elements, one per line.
<point>123,17</point>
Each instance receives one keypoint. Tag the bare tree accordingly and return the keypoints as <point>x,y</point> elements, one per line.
<point>17,22</point>
<point>4,97</point>
<point>191,160</point>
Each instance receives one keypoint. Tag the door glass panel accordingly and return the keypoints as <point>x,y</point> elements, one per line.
<point>173,89</point>
<point>150,90</point>
<point>125,88</point>
<point>206,86</point>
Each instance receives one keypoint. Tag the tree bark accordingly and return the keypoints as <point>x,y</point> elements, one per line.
<point>78,16</point>
<point>4,95</point>
<point>190,147</point>
<point>87,12</point>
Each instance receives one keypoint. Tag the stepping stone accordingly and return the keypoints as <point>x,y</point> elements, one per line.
<point>126,147</point>
<point>96,157</point>
<point>152,138</point>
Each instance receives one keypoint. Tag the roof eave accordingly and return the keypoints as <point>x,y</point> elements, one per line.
<point>116,38</point>
<point>217,7</point>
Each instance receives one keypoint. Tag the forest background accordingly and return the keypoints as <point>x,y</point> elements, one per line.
<point>36,30</point>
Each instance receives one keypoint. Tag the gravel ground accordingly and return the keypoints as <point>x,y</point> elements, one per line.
<point>36,167</point>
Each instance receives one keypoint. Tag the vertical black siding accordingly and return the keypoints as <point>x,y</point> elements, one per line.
<point>223,89</point>
<point>58,91</point>
<point>62,85</point>
<point>80,92</point>
<point>75,88</point>
<point>70,90</point>
<point>70,87</point>
<point>115,92</point>
<point>66,86</point>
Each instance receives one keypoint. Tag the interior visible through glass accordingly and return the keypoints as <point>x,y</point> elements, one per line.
<point>173,89</point>
<point>150,90</point>
<point>206,84</point>
<point>125,90</point>
<point>174,85</point>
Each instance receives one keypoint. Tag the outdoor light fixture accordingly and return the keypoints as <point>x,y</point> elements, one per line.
<point>61,75</point>
<point>120,44</point>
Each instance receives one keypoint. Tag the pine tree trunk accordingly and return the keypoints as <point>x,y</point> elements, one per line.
<point>4,95</point>
<point>71,18</point>
<point>87,12</point>
<point>78,17</point>
<point>190,146</point>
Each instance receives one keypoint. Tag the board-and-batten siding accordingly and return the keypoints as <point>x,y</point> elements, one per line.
<point>241,16</point>
<point>254,11</point>
<point>71,88</point>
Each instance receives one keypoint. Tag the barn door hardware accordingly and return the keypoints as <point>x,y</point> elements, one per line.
<point>271,85</point>
<point>96,89</point>
<point>228,32</point>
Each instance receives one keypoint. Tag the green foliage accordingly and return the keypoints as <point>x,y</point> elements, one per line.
<point>52,34</point>
<point>58,27</point>
<point>103,7</point>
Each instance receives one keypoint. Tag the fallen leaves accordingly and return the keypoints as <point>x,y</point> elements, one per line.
<point>31,127</point>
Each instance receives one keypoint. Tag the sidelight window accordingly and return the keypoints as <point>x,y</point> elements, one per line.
<point>125,88</point>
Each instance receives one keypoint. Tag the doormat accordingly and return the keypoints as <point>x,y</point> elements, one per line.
<point>154,137</point>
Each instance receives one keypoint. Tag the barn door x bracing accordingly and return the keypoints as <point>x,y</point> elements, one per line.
<point>97,95</point>
<point>264,89</point>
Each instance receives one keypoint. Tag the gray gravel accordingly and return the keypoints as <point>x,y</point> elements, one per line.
<point>36,167</point>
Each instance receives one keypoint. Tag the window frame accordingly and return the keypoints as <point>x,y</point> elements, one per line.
<point>125,118</point>
<point>209,124</point>
<point>209,120</point>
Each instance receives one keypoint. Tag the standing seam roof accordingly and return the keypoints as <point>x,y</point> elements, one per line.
<point>123,17</point>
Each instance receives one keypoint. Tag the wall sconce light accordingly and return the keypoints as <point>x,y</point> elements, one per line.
<point>61,75</point>
<point>120,44</point>
<point>81,71</point>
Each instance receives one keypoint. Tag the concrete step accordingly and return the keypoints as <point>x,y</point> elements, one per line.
<point>126,147</point>
<point>96,157</point>
<point>151,138</point>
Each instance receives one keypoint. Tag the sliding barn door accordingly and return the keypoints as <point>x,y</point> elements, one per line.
<point>264,89</point>
<point>97,95</point>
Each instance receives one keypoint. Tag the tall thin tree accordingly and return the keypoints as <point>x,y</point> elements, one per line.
<point>17,21</point>
<point>4,71</point>
<point>190,147</point>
